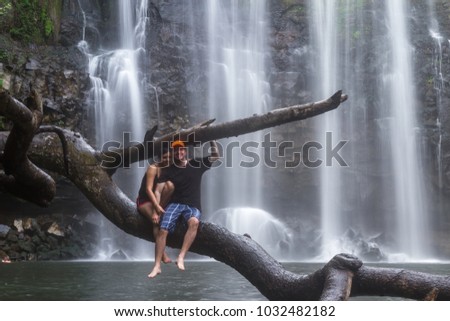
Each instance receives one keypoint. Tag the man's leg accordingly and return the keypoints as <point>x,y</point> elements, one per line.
<point>163,193</point>
<point>166,193</point>
<point>189,238</point>
<point>165,257</point>
<point>160,245</point>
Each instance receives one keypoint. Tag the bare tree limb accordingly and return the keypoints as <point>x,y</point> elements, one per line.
<point>21,177</point>
<point>206,132</point>
<point>338,279</point>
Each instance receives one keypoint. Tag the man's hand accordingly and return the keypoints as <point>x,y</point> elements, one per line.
<point>214,151</point>
<point>155,218</point>
<point>159,210</point>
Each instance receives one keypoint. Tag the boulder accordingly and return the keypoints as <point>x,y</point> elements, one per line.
<point>19,225</point>
<point>56,230</point>
<point>4,229</point>
<point>12,236</point>
<point>30,225</point>
<point>119,255</point>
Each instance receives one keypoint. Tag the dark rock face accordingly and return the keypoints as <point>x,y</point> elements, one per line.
<point>46,238</point>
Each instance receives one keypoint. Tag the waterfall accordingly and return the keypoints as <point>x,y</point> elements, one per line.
<point>384,200</point>
<point>412,226</point>
<point>237,87</point>
<point>117,100</point>
<point>272,234</point>
<point>116,91</point>
<point>325,35</point>
<point>237,55</point>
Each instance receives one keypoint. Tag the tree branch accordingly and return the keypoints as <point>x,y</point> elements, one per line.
<point>21,177</point>
<point>205,132</point>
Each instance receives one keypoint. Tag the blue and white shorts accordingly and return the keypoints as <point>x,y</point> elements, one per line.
<point>174,211</point>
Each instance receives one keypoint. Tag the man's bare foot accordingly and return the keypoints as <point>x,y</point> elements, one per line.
<point>166,259</point>
<point>180,263</point>
<point>154,272</point>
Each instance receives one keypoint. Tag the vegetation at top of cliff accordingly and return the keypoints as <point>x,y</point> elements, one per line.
<point>5,14</point>
<point>26,20</point>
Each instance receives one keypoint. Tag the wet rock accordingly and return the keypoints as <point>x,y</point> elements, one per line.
<point>4,229</point>
<point>366,249</point>
<point>12,236</point>
<point>13,255</point>
<point>372,253</point>
<point>36,240</point>
<point>3,255</point>
<point>18,224</point>
<point>53,242</point>
<point>72,252</point>
<point>26,246</point>
<point>32,65</point>
<point>56,230</point>
<point>119,255</point>
<point>30,225</point>
<point>52,255</point>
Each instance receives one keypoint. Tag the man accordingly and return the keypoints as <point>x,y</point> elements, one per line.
<point>186,177</point>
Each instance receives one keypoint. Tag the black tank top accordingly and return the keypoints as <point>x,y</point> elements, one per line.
<point>143,189</point>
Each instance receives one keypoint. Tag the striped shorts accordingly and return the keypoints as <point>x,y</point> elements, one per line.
<point>174,211</point>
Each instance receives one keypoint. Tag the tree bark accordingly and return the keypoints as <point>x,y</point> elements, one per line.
<point>21,177</point>
<point>67,153</point>
<point>204,132</point>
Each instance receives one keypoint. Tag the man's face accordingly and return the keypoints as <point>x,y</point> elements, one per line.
<point>179,153</point>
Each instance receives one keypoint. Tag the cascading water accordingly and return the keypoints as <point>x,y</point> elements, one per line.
<point>237,87</point>
<point>350,37</point>
<point>269,232</point>
<point>325,40</point>
<point>412,225</point>
<point>117,100</point>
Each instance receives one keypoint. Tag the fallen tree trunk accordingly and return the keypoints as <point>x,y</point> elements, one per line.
<point>67,153</point>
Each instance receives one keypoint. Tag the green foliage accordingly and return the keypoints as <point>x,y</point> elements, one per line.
<point>288,3</point>
<point>32,22</point>
<point>5,14</point>
<point>4,56</point>
<point>5,8</point>
<point>48,23</point>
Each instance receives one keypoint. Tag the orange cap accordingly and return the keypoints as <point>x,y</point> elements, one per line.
<point>178,143</point>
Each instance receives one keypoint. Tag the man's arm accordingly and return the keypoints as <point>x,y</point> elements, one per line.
<point>215,155</point>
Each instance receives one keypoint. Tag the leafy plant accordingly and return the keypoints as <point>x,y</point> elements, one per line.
<point>31,21</point>
<point>4,56</point>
